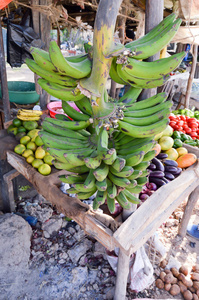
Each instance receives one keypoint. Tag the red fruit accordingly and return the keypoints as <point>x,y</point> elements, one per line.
<point>172,123</point>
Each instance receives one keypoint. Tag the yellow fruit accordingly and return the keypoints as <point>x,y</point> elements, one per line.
<point>37,162</point>
<point>40,153</point>
<point>48,159</point>
<point>172,154</point>
<point>158,136</point>
<point>168,131</point>
<point>44,169</point>
<point>166,142</point>
<point>38,141</point>
<point>181,151</point>
<point>30,159</point>
<point>33,133</point>
<point>19,149</point>
<point>31,145</point>
<point>24,140</point>
<point>27,153</point>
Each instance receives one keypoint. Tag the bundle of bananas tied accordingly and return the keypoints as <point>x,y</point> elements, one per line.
<point>111,150</point>
<point>29,115</point>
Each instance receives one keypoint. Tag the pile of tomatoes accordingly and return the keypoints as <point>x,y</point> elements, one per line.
<point>185,124</point>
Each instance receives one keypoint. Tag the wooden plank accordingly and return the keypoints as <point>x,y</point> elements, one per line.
<point>155,206</point>
<point>48,186</point>
<point>193,198</point>
<point>8,186</point>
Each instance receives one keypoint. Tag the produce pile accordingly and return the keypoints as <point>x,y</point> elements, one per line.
<point>26,128</point>
<point>180,281</point>
<point>109,143</point>
<point>168,163</point>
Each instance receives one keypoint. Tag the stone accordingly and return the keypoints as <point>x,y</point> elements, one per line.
<point>41,213</point>
<point>52,225</point>
<point>71,230</point>
<point>15,235</point>
<point>80,275</point>
<point>99,249</point>
<point>79,250</point>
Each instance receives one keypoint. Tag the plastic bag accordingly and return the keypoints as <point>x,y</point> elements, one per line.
<point>19,39</point>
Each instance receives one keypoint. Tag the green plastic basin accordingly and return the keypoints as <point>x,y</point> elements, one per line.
<point>22,92</point>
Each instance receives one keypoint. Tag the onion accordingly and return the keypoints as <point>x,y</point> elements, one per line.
<point>151,186</point>
<point>143,197</point>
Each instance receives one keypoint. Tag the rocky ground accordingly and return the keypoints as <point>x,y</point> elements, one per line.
<point>55,259</point>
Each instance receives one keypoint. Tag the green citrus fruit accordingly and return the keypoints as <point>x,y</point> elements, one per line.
<point>21,129</point>
<point>48,159</point>
<point>172,154</point>
<point>40,153</point>
<point>16,122</point>
<point>27,153</point>
<point>166,142</point>
<point>33,133</point>
<point>19,149</point>
<point>38,141</point>
<point>19,135</point>
<point>31,145</point>
<point>44,169</point>
<point>24,140</point>
<point>181,151</point>
<point>37,162</point>
<point>12,130</point>
<point>30,125</point>
<point>30,159</point>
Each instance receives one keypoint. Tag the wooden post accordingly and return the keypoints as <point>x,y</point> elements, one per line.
<point>153,16</point>
<point>193,198</point>
<point>4,84</point>
<point>191,76</point>
<point>122,276</point>
<point>42,27</point>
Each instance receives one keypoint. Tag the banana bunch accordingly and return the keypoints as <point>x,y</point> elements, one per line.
<point>109,150</point>
<point>29,115</point>
<point>141,74</point>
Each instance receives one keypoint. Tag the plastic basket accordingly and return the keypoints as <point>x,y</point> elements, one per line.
<point>4,3</point>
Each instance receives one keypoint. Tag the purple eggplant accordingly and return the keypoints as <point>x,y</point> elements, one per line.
<point>158,163</point>
<point>158,174</point>
<point>161,156</point>
<point>158,181</point>
<point>152,167</point>
<point>165,180</point>
<point>172,170</point>
<point>170,162</point>
<point>169,176</point>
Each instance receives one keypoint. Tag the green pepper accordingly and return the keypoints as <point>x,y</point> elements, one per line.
<point>184,137</point>
<point>176,135</point>
<point>197,142</point>
<point>191,143</point>
<point>177,143</point>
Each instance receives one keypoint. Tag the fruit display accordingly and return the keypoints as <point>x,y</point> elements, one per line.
<point>30,143</point>
<point>192,113</point>
<point>109,142</point>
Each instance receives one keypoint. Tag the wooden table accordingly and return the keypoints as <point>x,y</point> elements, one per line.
<point>128,236</point>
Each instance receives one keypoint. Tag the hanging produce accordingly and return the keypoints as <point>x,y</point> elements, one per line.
<point>109,143</point>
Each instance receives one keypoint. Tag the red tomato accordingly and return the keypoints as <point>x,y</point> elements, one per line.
<point>180,123</point>
<point>175,127</point>
<point>172,123</point>
<point>193,134</point>
<point>193,138</point>
<point>192,119</point>
<point>188,130</point>
<point>192,124</point>
<point>172,118</point>
<point>183,118</point>
<point>194,129</point>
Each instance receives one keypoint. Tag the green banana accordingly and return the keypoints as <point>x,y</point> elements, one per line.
<point>110,156</point>
<point>134,142</point>
<point>59,91</point>
<point>135,158</point>
<point>135,175</point>
<point>89,181</point>
<point>62,117</point>
<point>93,162</point>
<point>144,121</point>
<point>112,191</point>
<point>126,171</point>
<point>83,196</point>
<point>84,132</point>
<point>142,166</point>
<point>101,172</point>
<point>130,96</point>
<point>76,58</point>
<point>123,201</point>
<point>154,32</point>
<point>62,165</point>
<point>73,125</point>
<point>71,179</point>
<point>99,199</point>
<point>144,173</point>
<point>136,190</point>
<point>58,154</point>
<point>113,73</point>
<point>154,69</point>
<point>101,185</point>
<point>148,111</point>
<point>130,197</point>
<point>73,69</point>
<point>118,181</point>
<point>79,187</point>
<point>77,159</point>
<point>128,151</point>
<point>132,184</point>
<point>64,132</point>
<point>85,106</point>
<point>72,113</point>
<point>111,204</point>
<point>142,180</point>
<point>138,82</point>
<point>119,164</point>
<point>149,155</point>
<point>102,143</point>
<point>49,76</point>
<point>79,169</point>
<point>42,58</point>
<point>147,49</point>
<point>149,102</point>
<point>143,131</point>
